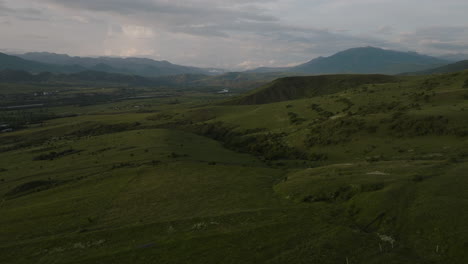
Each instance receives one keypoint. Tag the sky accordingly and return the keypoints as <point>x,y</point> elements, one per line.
<point>231,34</point>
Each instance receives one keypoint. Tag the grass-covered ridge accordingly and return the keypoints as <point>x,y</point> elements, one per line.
<point>291,88</point>
<point>358,168</point>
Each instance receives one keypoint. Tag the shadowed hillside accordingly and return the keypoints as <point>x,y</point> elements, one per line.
<point>291,88</point>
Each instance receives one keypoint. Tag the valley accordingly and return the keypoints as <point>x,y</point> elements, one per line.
<point>311,169</point>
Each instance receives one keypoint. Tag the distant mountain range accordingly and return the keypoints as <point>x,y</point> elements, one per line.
<point>366,60</point>
<point>60,63</point>
<point>17,63</point>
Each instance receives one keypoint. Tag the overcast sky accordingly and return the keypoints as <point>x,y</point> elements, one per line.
<point>232,34</point>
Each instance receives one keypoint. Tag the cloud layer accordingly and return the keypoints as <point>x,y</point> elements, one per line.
<point>232,34</point>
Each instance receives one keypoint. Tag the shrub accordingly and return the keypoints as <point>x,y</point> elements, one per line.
<point>55,155</point>
<point>321,112</point>
<point>334,131</point>
<point>465,85</point>
<point>404,125</point>
<point>294,119</point>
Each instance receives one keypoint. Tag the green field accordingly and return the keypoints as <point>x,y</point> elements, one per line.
<point>335,169</point>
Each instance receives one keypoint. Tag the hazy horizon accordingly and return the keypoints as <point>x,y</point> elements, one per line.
<point>231,34</point>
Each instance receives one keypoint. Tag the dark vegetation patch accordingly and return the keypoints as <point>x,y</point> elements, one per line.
<point>268,146</point>
<point>321,112</point>
<point>160,117</point>
<point>190,117</point>
<point>174,155</point>
<point>19,141</point>
<point>32,187</point>
<point>254,131</point>
<point>318,157</point>
<point>199,115</point>
<point>402,125</point>
<point>18,119</point>
<point>430,84</point>
<point>14,147</point>
<point>458,156</point>
<point>102,129</point>
<point>336,131</point>
<point>342,193</point>
<point>424,96</point>
<point>349,104</point>
<point>55,155</point>
<point>295,119</point>
<point>102,150</point>
<point>127,148</point>
<point>375,158</point>
<point>122,165</point>
<point>380,107</point>
<point>42,150</point>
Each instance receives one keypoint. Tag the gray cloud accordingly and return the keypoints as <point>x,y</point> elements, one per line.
<point>202,17</point>
<point>227,33</point>
<point>450,47</point>
<point>438,39</point>
<point>24,13</point>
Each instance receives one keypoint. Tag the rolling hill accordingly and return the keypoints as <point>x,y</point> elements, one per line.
<point>346,169</point>
<point>291,88</point>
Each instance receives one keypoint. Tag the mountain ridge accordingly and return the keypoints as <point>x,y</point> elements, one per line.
<point>364,60</point>
<point>36,62</point>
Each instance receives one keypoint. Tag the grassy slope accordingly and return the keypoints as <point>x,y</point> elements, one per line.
<point>376,160</point>
<point>291,88</point>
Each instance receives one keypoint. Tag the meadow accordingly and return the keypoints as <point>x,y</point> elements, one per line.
<point>335,169</point>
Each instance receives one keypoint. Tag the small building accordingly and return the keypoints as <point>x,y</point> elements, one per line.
<point>224,91</point>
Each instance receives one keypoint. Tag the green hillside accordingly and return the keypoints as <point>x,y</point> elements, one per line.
<point>326,169</point>
<point>291,88</point>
